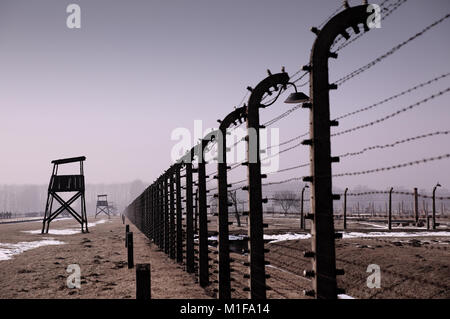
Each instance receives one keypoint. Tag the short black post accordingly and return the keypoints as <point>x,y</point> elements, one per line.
<point>127,230</point>
<point>143,282</point>
<point>130,250</point>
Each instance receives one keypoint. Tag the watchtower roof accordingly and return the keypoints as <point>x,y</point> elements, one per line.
<point>69,160</point>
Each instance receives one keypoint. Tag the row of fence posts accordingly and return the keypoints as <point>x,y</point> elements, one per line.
<point>152,212</point>
<point>143,273</point>
<point>389,210</point>
<point>157,212</point>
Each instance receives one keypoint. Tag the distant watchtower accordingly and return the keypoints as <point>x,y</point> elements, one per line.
<point>112,208</point>
<point>66,183</point>
<point>102,205</point>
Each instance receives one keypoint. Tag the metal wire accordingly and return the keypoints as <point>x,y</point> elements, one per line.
<point>391,145</point>
<point>384,169</point>
<point>405,109</point>
<point>388,53</point>
<point>436,79</point>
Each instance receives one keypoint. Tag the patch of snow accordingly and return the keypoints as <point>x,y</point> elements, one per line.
<point>55,231</point>
<point>7,251</point>
<point>101,221</point>
<point>372,225</point>
<point>344,296</point>
<point>230,237</point>
<point>67,231</point>
<point>285,237</point>
<point>395,234</point>
<point>349,235</point>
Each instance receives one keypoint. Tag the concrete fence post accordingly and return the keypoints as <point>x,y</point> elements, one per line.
<point>127,230</point>
<point>130,250</point>
<point>143,282</point>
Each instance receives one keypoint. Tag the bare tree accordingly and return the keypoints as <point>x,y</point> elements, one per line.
<point>232,197</point>
<point>214,204</point>
<point>287,200</point>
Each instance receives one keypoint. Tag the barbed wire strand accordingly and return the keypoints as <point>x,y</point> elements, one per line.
<point>396,143</point>
<point>393,167</point>
<point>392,115</point>
<point>393,97</point>
<point>389,53</point>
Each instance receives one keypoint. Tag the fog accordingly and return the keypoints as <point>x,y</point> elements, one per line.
<point>32,198</point>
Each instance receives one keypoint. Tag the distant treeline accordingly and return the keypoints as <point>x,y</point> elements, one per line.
<point>23,199</point>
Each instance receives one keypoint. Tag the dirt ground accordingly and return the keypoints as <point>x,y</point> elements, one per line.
<point>102,256</point>
<point>411,267</point>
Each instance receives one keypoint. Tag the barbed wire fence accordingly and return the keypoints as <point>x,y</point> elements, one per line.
<point>198,215</point>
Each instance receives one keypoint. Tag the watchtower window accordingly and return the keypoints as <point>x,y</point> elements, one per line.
<point>67,183</point>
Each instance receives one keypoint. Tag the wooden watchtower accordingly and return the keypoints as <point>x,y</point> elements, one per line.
<point>64,184</point>
<point>112,208</point>
<point>102,205</point>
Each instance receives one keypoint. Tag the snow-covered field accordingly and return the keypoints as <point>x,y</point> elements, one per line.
<point>350,235</point>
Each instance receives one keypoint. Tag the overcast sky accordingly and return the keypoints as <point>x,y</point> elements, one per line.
<point>116,89</point>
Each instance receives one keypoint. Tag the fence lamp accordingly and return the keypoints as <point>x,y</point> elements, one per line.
<point>296,97</point>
